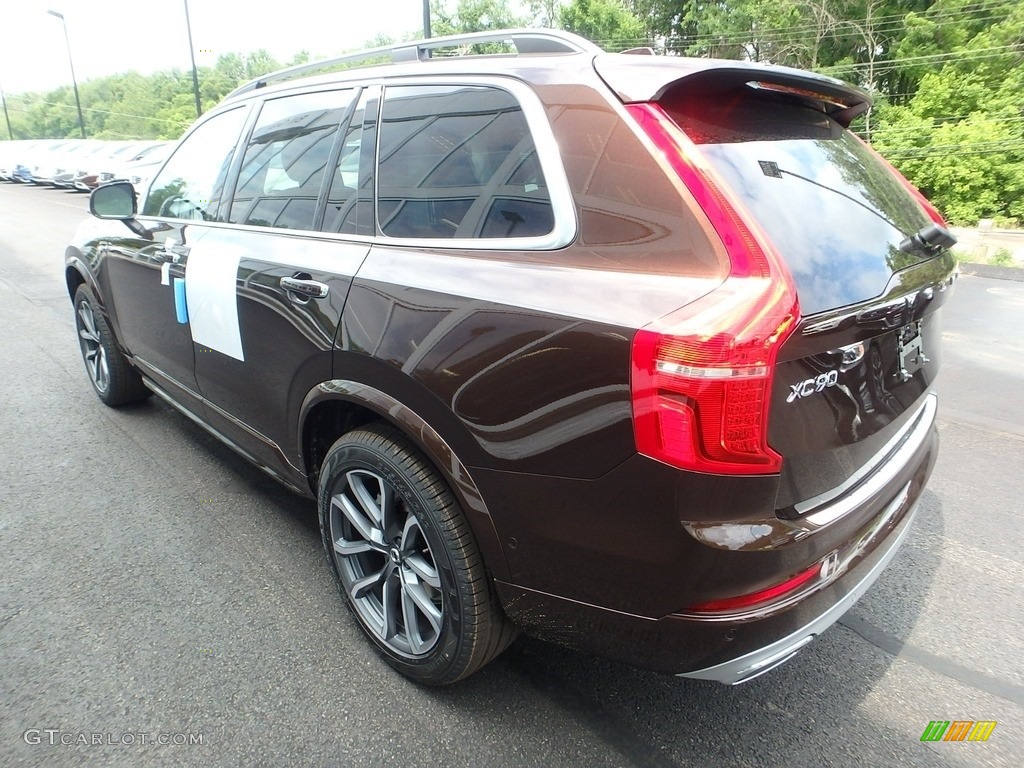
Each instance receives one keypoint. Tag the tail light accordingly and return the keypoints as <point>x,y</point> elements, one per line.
<point>701,376</point>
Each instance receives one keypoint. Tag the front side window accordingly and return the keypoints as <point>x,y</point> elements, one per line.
<point>286,159</point>
<point>191,184</point>
<point>458,162</point>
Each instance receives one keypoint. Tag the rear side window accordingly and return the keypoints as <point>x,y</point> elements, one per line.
<point>833,211</point>
<point>286,160</point>
<point>349,207</point>
<point>458,162</point>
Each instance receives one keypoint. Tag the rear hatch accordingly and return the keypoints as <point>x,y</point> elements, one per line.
<point>857,368</point>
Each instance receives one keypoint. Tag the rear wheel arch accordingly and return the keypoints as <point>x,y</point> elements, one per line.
<point>336,407</point>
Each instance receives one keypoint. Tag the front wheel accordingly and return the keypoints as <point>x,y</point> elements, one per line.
<point>404,556</point>
<point>111,375</point>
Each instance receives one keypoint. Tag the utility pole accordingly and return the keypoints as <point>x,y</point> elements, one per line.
<point>192,54</point>
<point>426,19</point>
<point>7,117</point>
<point>74,82</point>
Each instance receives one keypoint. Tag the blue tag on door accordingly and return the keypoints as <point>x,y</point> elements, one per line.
<point>180,305</point>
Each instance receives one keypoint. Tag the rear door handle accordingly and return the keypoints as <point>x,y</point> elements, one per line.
<point>310,289</point>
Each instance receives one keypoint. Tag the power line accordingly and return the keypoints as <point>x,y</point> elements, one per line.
<point>888,23</point>
<point>962,150</point>
<point>974,117</point>
<point>102,111</point>
<point>881,26</point>
<point>965,55</point>
<point>886,130</point>
<point>883,65</point>
<point>975,144</point>
<point>779,34</point>
<point>766,33</point>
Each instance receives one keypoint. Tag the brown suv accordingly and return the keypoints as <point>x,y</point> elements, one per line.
<point>632,353</point>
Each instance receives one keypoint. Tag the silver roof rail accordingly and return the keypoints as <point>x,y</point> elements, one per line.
<point>524,40</point>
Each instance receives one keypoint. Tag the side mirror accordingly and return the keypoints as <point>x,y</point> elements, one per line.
<point>116,200</point>
<point>113,201</point>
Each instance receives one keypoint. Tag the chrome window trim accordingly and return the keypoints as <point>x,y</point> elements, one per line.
<point>563,206</point>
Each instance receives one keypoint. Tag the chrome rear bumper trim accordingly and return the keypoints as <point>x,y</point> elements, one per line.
<point>756,663</point>
<point>892,458</point>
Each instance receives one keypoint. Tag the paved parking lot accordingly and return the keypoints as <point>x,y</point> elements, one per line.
<point>157,588</point>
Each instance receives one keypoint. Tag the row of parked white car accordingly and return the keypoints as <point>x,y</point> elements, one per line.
<point>81,164</point>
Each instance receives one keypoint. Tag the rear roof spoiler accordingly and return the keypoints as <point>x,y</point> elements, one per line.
<point>650,78</point>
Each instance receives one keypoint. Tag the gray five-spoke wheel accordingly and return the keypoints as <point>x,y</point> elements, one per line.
<point>92,347</point>
<point>405,557</point>
<point>386,564</point>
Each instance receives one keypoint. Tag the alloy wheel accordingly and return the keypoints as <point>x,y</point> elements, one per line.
<point>385,563</point>
<point>92,347</point>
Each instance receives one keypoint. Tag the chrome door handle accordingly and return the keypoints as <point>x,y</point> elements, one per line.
<point>310,289</point>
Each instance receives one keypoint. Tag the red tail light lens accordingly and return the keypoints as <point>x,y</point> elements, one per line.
<point>701,376</point>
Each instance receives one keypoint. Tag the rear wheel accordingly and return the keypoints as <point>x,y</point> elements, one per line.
<point>112,377</point>
<point>404,557</point>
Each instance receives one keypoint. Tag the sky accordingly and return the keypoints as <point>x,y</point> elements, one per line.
<point>111,36</point>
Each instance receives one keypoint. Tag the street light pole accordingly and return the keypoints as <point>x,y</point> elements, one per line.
<point>74,82</point>
<point>426,19</point>
<point>7,117</point>
<point>192,53</point>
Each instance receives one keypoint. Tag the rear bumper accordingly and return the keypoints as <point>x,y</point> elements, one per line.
<point>727,652</point>
<point>733,648</point>
<point>755,663</point>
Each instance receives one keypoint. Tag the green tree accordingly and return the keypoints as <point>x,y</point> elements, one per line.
<point>472,16</point>
<point>605,22</point>
<point>959,134</point>
<point>946,76</point>
<point>546,13</point>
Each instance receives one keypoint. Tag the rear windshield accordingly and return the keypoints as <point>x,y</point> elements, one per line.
<point>833,211</point>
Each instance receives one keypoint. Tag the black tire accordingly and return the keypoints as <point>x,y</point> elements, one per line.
<point>405,559</point>
<point>112,376</point>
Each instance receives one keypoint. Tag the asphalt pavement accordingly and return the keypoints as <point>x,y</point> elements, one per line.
<point>156,588</point>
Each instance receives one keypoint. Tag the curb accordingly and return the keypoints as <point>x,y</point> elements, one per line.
<point>988,270</point>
